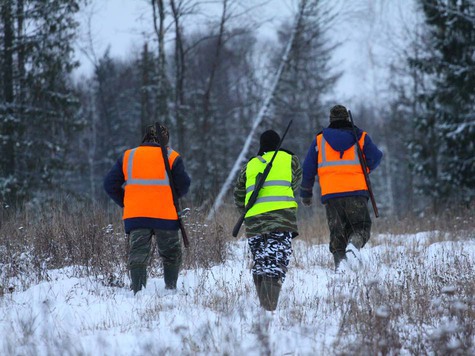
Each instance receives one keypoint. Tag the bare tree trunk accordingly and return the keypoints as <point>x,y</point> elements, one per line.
<point>179,76</point>
<point>145,104</point>
<point>389,191</point>
<point>20,84</point>
<point>163,86</point>
<point>214,68</point>
<point>21,51</point>
<point>92,149</point>
<point>7,166</point>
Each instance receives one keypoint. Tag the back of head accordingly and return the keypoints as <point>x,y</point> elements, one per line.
<point>151,134</point>
<point>338,112</point>
<point>269,141</point>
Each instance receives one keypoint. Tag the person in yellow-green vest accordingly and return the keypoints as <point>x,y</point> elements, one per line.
<point>271,223</point>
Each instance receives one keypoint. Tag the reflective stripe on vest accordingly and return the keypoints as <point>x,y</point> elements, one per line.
<point>276,192</point>
<point>281,183</point>
<point>139,181</point>
<point>339,172</point>
<point>147,188</point>
<point>325,163</point>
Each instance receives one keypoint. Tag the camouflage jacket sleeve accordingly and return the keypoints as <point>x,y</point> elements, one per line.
<point>296,173</point>
<point>240,189</point>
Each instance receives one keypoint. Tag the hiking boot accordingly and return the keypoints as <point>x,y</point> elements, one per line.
<point>357,240</point>
<point>138,276</point>
<point>353,256</point>
<point>269,292</point>
<point>258,283</point>
<point>170,274</point>
<point>338,257</point>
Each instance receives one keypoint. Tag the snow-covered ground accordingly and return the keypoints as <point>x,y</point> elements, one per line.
<point>215,311</point>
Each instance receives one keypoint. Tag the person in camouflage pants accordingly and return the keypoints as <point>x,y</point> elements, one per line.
<point>333,156</point>
<point>138,183</point>
<point>271,223</point>
<point>169,249</point>
<point>348,221</point>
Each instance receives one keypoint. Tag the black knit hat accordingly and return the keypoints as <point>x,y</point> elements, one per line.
<point>338,112</point>
<point>269,141</point>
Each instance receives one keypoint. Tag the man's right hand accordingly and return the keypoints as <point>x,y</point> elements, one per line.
<point>306,201</point>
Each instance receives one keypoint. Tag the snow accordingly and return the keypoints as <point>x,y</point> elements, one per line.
<point>215,311</point>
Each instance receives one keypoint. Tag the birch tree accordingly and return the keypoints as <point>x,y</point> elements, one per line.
<point>308,76</point>
<point>258,119</point>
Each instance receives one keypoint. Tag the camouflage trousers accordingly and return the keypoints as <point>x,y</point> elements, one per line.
<point>348,220</point>
<point>140,247</point>
<point>271,254</point>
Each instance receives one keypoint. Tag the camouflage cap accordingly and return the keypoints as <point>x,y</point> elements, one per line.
<point>151,134</point>
<point>338,112</point>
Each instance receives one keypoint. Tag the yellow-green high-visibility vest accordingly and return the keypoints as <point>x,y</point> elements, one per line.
<point>276,193</point>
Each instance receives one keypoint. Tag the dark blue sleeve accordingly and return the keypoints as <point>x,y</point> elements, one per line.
<point>113,183</point>
<point>181,179</point>
<point>309,171</point>
<point>372,153</point>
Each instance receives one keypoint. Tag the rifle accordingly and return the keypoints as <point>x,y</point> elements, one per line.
<point>172,185</point>
<point>260,182</point>
<point>364,167</point>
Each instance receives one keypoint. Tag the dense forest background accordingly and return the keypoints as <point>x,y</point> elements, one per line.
<point>59,134</point>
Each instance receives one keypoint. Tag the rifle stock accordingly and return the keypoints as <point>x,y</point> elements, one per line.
<point>172,185</point>
<point>238,224</point>
<point>364,167</point>
<point>260,182</point>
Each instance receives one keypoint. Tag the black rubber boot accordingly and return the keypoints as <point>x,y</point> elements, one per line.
<point>138,276</point>
<point>269,292</point>
<point>258,283</point>
<point>170,274</point>
<point>338,256</point>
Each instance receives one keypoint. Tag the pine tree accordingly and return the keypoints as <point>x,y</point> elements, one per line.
<point>41,111</point>
<point>117,95</point>
<point>444,151</point>
<point>400,138</point>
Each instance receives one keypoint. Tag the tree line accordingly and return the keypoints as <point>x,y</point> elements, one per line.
<point>60,136</point>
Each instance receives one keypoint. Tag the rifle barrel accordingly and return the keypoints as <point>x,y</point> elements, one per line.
<point>172,185</point>
<point>364,167</point>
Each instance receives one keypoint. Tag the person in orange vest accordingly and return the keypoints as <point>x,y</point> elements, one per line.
<point>138,183</point>
<point>333,157</point>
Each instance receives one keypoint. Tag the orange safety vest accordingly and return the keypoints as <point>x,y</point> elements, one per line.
<point>339,174</point>
<point>147,187</point>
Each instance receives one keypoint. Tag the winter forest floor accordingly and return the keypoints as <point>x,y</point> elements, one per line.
<point>64,291</point>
